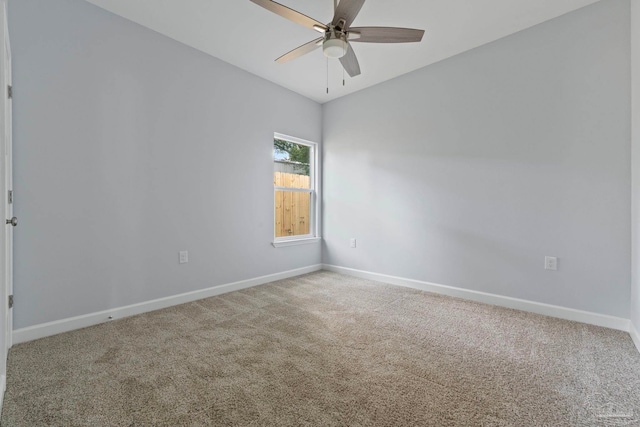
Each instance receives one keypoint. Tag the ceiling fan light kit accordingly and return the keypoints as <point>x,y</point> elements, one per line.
<point>334,48</point>
<point>338,34</point>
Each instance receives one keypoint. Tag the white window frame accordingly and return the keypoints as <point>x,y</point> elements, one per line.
<point>312,237</point>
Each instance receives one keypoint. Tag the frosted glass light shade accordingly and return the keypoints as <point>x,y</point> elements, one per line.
<point>334,48</point>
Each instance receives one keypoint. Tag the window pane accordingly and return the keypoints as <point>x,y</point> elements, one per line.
<point>292,164</point>
<point>290,180</point>
<point>293,213</point>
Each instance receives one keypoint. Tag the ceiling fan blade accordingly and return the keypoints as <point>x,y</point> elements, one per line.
<point>385,35</point>
<point>350,63</point>
<point>347,10</point>
<point>290,14</point>
<point>300,50</point>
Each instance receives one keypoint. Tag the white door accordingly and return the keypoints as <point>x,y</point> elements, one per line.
<point>6,203</point>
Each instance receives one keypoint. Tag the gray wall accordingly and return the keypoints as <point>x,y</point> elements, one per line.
<point>635,82</point>
<point>468,172</point>
<point>125,143</point>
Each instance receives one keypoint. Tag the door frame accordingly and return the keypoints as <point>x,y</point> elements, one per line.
<point>6,178</point>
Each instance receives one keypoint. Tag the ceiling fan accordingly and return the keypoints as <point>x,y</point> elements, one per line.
<point>338,34</point>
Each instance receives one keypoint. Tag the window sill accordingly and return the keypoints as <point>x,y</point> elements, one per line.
<point>284,243</point>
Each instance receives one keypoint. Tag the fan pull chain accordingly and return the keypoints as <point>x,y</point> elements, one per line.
<point>345,52</point>
<point>327,76</point>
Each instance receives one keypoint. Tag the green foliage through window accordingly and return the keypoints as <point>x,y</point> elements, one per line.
<point>296,153</point>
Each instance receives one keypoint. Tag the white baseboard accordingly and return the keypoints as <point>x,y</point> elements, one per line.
<point>65,325</point>
<point>3,388</point>
<point>493,299</point>
<point>635,335</point>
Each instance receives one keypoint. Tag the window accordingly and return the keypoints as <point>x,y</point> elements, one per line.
<point>294,184</point>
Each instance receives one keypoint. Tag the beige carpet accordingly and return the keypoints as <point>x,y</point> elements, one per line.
<point>327,350</point>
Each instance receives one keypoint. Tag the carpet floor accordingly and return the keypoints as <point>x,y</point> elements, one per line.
<point>327,350</point>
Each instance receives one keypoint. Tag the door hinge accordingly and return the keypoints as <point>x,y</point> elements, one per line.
<point>10,197</point>
<point>10,301</point>
<point>10,91</point>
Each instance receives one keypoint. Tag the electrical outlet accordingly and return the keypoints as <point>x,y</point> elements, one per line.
<point>550,263</point>
<point>352,242</point>
<point>184,257</point>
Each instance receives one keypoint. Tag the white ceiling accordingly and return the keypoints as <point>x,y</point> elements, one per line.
<point>250,37</point>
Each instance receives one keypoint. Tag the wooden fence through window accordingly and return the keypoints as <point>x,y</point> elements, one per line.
<point>293,209</point>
